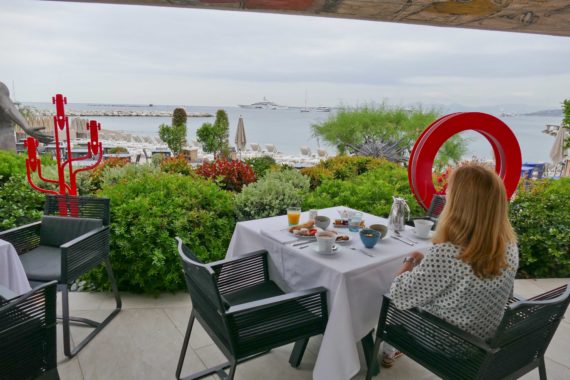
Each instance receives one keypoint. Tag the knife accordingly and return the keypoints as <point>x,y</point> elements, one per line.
<point>402,240</point>
<point>305,241</point>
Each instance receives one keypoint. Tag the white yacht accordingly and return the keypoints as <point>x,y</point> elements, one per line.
<point>264,105</point>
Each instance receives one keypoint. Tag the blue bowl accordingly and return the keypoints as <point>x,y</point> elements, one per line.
<point>369,237</point>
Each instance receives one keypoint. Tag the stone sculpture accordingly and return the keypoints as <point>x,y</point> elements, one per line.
<point>9,115</point>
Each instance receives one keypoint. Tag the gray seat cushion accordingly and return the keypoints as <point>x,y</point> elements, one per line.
<point>58,230</point>
<point>42,263</point>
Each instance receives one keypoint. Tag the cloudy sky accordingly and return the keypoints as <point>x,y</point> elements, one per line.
<point>134,54</point>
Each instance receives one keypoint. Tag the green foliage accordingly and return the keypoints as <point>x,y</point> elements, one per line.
<point>174,136</point>
<point>271,195</point>
<point>96,175</point>
<point>118,149</point>
<point>11,164</point>
<point>19,203</point>
<point>176,165</point>
<point>120,174</point>
<point>147,212</point>
<point>261,165</point>
<point>351,129</point>
<point>541,219</point>
<point>341,167</point>
<point>370,192</point>
<point>179,116</point>
<point>215,137</point>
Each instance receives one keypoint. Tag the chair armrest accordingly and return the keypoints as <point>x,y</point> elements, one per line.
<point>276,301</point>
<point>23,238</point>
<point>241,272</point>
<point>84,252</point>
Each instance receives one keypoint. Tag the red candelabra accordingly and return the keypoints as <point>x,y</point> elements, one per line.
<point>64,161</point>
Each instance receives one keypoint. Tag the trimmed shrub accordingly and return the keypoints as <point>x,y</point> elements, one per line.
<point>271,195</point>
<point>540,216</point>
<point>179,116</point>
<point>370,192</point>
<point>118,149</point>
<point>147,212</point>
<point>96,174</point>
<point>11,164</point>
<point>177,164</point>
<point>261,165</point>
<point>341,167</point>
<point>229,175</point>
<point>19,203</point>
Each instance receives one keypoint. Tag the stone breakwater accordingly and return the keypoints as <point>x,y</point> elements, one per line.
<point>118,113</point>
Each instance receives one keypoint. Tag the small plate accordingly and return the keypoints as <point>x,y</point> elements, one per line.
<point>314,247</point>
<point>343,241</point>
<point>303,236</point>
<point>430,235</point>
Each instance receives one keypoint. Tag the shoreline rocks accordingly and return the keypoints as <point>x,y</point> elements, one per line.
<point>119,113</point>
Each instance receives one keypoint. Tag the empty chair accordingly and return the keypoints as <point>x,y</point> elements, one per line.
<point>28,335</point>
<point>305,151</point>
<point>436,207</point>
<point>64,248</point>
<point>245,313</point>
<point>322,153</point>
<point>517,347</point>
<point>138,158</point>
<point>271,149</point>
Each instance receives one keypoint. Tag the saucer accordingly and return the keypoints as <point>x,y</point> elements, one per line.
<point>430,235</point>
<point>315,246</point>
<point>343,241</point>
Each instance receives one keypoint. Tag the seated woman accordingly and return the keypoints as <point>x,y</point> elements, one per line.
<point>468,274</point>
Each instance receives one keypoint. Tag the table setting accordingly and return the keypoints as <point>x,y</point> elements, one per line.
<point>356,270</point>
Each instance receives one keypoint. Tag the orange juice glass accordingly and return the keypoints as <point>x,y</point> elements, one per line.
<point>293,215</point>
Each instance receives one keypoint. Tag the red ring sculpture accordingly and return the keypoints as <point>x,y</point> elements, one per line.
<point>508,159</point>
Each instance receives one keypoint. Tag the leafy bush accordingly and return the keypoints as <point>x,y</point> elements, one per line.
<point>115,175</point>
<point>96,174</point>
<point>370,192</point>
<point>341,167</point>
<point>215,137</point>
<point>19,203</point>
<point>541,219</point>
<point>179,116</point>
<point>174,136</point>
<point>118,149</point>
<point>271,195</point>
<point>11,164</point>
<point>147,212</point>
<point>229,175</point>
<point>176,164</point>
<point>261,165</point>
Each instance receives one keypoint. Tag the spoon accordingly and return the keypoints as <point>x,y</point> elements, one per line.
<point>404,237</point>
<point>361,251</point>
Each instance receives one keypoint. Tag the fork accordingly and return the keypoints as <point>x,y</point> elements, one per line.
<point>405,237</point>
<point>361,251</point>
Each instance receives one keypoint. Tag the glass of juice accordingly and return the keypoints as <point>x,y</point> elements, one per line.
<point>293,215</point>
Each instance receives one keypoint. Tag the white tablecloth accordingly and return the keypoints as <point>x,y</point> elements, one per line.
<point>12,275</point>
<point>355,282</point>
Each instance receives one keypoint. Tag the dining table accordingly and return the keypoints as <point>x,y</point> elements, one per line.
<point>355,278</point>
<point>12,274</point>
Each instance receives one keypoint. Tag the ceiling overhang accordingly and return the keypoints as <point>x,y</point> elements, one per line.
<point>525,16</point>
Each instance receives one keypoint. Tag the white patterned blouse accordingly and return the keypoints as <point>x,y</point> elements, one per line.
<point>446,286</point>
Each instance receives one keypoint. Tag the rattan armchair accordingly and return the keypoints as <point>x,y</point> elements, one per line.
<point>63,248</point>
<point>245,313</point>
<point>28,335</point>
<point>518,346</point>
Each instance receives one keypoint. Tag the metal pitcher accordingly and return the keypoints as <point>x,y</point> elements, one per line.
<point>399,213</point>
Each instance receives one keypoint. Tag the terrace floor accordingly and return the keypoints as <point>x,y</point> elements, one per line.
<point>144,341</point>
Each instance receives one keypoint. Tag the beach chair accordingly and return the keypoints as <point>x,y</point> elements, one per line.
<point>271,149</point>
<point>305,151</point>
<point>322,153</point>
<point>255,149</point>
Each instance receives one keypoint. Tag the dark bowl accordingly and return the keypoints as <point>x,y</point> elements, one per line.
<point>369,237</point>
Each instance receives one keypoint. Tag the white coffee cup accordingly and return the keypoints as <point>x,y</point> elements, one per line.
<point>325,242</point>
<point>423,227</point>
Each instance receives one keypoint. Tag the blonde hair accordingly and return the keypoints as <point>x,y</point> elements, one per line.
<point>475,217</point>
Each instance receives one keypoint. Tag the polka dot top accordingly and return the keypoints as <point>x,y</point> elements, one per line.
<point>447,287</point>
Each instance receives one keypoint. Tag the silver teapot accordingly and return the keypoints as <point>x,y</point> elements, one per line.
<point>399,213</point>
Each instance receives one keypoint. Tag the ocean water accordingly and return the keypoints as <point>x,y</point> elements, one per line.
<point>290,129</point>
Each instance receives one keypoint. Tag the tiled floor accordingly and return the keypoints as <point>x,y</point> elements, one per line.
<point>144,341</point>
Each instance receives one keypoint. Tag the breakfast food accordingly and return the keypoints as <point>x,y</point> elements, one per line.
<point>342,238</point>
<point>306,226</point>
<point>343,223</point>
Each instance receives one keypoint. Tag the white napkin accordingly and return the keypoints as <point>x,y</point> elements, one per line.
<point>280,236</point>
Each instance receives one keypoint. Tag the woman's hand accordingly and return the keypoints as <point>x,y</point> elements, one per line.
<point>412,259</point>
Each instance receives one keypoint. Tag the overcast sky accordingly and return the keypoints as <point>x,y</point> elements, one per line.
<point>133,54</point>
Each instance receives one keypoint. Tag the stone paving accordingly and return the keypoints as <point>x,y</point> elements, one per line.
<point>144,341</point>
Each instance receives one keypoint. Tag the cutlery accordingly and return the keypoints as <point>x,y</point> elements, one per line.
<point>361,251</point>
<point>402,240</point>
<point>305,241</point>
<point>405,237</point>
<point>304,246</point>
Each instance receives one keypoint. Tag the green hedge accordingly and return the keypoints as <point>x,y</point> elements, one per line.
<point>147,212</point>
<point>19,203</point>
<point>541,218</point>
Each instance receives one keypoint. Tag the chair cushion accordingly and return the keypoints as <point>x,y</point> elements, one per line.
<point>58,230</point>
<point>42,263</point>
<point>252,293</point>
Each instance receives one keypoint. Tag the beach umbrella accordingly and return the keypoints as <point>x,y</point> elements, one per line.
<point>557,152</point>
<point>240,135</point>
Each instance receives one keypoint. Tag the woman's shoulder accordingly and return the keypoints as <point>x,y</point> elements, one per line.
<point>444,249</point>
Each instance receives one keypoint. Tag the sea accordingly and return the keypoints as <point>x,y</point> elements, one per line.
<point>289,129</point>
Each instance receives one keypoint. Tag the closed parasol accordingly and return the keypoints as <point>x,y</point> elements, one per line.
<point>240,135</point>
<point>557,153</point>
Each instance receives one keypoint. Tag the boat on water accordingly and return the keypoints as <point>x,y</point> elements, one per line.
<point>263,105</point>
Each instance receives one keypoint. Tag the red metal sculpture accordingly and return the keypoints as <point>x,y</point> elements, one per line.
<point>63,154</point>
<point>508,160</point>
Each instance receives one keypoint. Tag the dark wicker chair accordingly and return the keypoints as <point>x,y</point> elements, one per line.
<point>245,313</point>
<point>434,211</point>
<point>28,335</point>
<point>63,248</point>
<point>517,347</point>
